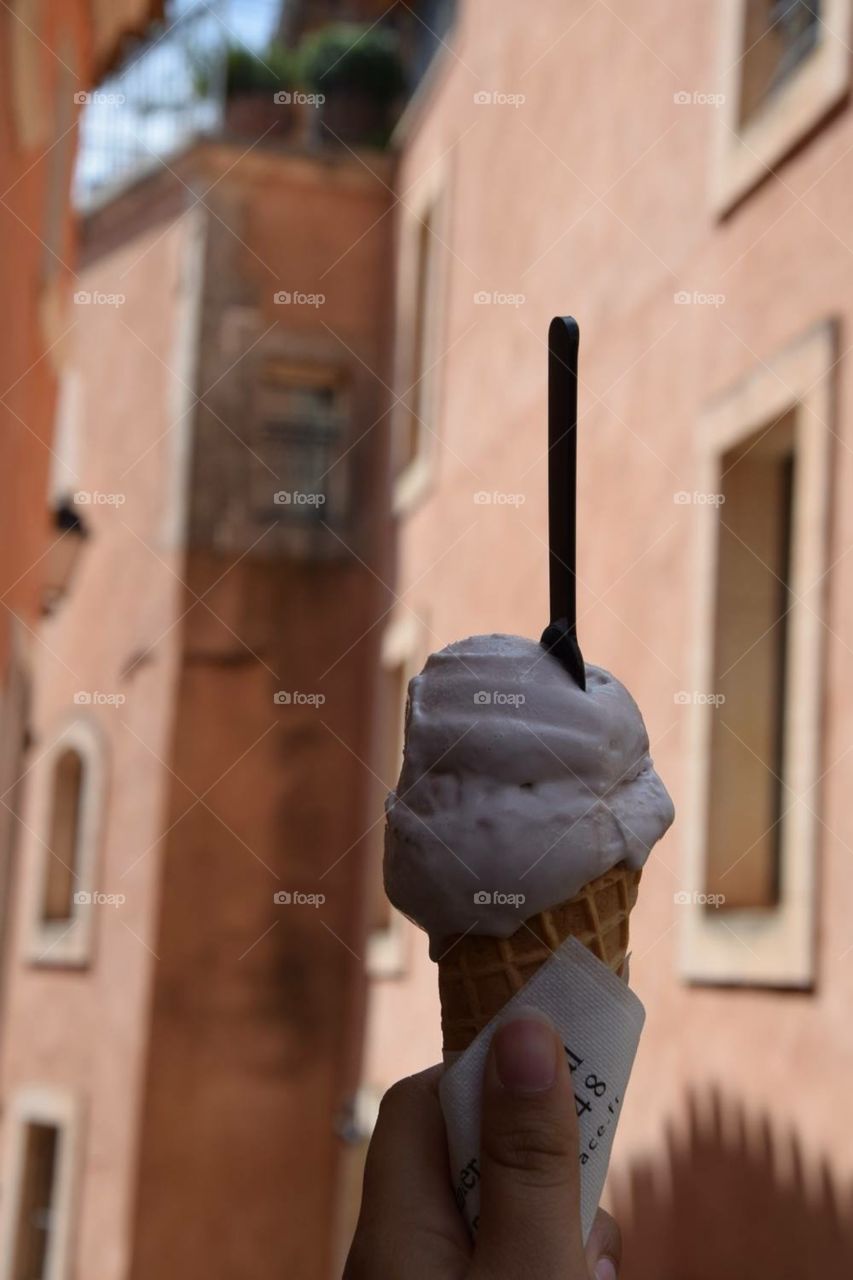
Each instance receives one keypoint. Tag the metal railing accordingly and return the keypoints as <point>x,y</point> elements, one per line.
<point>169,90</point>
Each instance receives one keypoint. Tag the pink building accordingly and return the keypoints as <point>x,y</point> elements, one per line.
<point>206,992</point>
<point>177,1028</point>
<point>681,188</point>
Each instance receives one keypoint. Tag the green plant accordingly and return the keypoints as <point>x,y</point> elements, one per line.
<point>351,56</point>
<point>246,71</point>
<point>250,72</point>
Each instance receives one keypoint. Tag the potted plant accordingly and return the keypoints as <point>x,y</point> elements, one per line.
<point>258,90</point>
<point>358,72</point>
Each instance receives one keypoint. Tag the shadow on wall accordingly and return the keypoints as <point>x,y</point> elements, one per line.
<point>731,1197</point>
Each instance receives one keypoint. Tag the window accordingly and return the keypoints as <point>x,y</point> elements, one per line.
<point>777,36</point>
<point>385,924</point>
<point>752,612</point>
<point>420,312</point>
<point>64,823</point>
<point>35,1205</point>
<point>785,65</point>
<point>15,707</point>
<point>417,397</point>
<point>752,828</point>
<point>299,474</point>
<point>37,1209</point>
<point>64,837</point>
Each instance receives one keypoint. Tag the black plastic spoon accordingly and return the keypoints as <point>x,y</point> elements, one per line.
<point>560,637</point>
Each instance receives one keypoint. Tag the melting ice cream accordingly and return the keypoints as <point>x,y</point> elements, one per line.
<point>516,784</point>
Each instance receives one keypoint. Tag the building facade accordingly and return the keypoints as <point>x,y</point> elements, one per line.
<point>51,57</point>
<point>181,978</point>
<point>296,395</point>
<point>679,186</point>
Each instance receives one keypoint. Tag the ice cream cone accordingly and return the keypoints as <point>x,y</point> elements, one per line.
<point>478,974</point>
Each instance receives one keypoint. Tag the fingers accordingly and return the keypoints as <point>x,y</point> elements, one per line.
<point>409,1224</point>
<point>604,1247</point>
<point>530,1182</point>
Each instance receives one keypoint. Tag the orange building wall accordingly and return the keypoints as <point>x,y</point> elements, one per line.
<point>49,55</point>
<point>253,1040</point>
<point>36,275</point>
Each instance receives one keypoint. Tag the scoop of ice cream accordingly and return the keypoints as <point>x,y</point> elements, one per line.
<point>517,788</point>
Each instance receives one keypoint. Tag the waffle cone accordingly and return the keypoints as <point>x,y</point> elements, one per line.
<point>477,974</point>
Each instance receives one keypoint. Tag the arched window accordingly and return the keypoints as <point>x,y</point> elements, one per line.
<point>64,819</point>
<point>64,835</point>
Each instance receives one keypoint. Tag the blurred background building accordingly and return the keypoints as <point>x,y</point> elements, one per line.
<point>278,281</point>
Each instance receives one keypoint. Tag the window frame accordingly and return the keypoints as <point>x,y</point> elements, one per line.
<point>279,379</point>
<point>772,946</point>
<point>745,155</point>
<point>37,1104</point>
<point>385,949</point>
<point>60,944</point>
<point>429,200</point>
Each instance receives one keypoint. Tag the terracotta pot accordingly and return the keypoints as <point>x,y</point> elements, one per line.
<point>252,115</point>
<point>353,116</point>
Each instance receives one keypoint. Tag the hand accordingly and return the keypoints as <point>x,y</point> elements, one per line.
<point>410,1228</point>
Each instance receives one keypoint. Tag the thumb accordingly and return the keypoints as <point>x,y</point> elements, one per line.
<point>530,1180</point>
